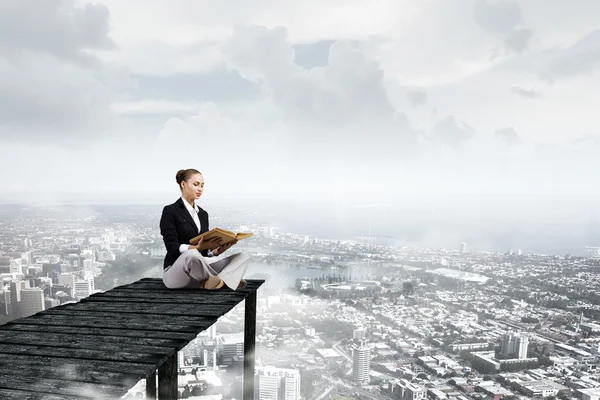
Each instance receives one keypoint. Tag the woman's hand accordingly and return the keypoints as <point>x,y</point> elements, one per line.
<point>223,248</point>
<point>212,242</point>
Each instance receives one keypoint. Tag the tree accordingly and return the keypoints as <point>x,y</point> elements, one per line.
<point>408,288</point>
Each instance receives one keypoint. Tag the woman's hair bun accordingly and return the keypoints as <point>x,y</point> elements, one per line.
<point>185,174</point>
<point>179,177</point>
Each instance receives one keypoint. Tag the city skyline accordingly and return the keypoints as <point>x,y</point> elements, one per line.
<point>334,318</point>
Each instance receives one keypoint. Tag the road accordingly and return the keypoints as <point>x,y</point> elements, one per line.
<point>342,353</point>
<point>326,392</point>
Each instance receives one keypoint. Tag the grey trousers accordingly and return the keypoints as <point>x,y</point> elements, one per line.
<point>191,268</point>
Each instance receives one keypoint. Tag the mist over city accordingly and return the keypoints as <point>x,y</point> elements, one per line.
<point>420,178</point>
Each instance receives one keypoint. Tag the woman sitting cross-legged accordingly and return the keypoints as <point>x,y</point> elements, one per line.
<point>185,265</point>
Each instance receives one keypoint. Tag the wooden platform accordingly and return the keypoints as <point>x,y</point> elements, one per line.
<point>103,345</point>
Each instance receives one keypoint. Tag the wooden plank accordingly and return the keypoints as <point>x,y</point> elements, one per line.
<point>252,283</point>
<point>52,372</point>
<point>191,296</point>
<point>74,314</point>
<point>257,282</point>
<point>166,291</point>
<point>167,379</point>
<point>77,365</point>
<point>9,394</point>
<point>187,336</point>
<point>156,309</point>
<point>61,387</point>
<point>249,345</point>
<point>107,340</point>
<point>161,300</point>
<point>114,343</point>
<point>111,325</point>
<point>81,353</point>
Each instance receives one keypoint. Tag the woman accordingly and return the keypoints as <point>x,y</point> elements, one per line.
<point>187,266</point>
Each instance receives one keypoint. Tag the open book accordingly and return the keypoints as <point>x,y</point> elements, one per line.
<point>226,237</point>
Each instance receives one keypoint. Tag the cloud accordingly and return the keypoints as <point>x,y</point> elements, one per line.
<point>527,93</point>
<point>508,136</point>
<point>343,106</point>
<point>582,58</point>
<point>416,98</point>
<point>518,40</point>
<point>452,132</point>
<point>59,28</point>
<point>52,88</point>
<point>310,55</point>
<point>200,128</point>
<point>497,17</point>
<point>349,87</point>
<point>502,18</point>
<point>162,59</point>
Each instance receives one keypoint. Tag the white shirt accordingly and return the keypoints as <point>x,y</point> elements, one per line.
<point>194,213</point>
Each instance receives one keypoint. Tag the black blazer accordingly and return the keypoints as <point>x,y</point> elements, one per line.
<point>177,227</point>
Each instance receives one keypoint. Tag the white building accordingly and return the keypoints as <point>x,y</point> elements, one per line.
<point>67,279</point>
<point>361,363</point>
<point>83,288</point>
<point>590,394</point>
<point>32,301</point>
<point>231,348</point>
<point>403,389</point>
<point>359,333</point>
<point>515,345</point>
<point>277,383</point>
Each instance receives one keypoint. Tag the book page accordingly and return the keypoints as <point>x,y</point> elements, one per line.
<point>226,237</point>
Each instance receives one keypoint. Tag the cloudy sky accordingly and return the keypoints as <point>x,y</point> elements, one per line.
<point>464,107</point>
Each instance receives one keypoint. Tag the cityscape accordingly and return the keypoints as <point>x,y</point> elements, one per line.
<point>336,319</point>
<point>419,178</point>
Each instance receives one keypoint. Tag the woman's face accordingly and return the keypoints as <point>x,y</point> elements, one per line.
<point>193,187</point>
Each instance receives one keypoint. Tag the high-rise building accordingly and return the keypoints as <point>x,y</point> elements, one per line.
<point>514,345</point>
<point>16,288</point>
<point>212,332</point>
<point>361,363</point>
<point>359,333</point>
<point>32,301</point>
<point>88,265</point>
<point>267,385</point>
<point>27,258</point>
<point>83,288</point>
<point>463,247</point>
<point>209,354</point>
<point>231,348</point>
<point>522,347</point>
<point>67,279</point>
<point>180,359</point>
<point>49,302</point>
<point>15,266</point>
<point>277,383</point>
<point>4,301</point>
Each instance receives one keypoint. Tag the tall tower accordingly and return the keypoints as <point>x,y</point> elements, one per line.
<point>32,301</point>
<point>509,345</point>
<point>463,248</point>
<point>277,383</point>
<point>515,345</point>
<point>361,363</point>
<point>523,344</point>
